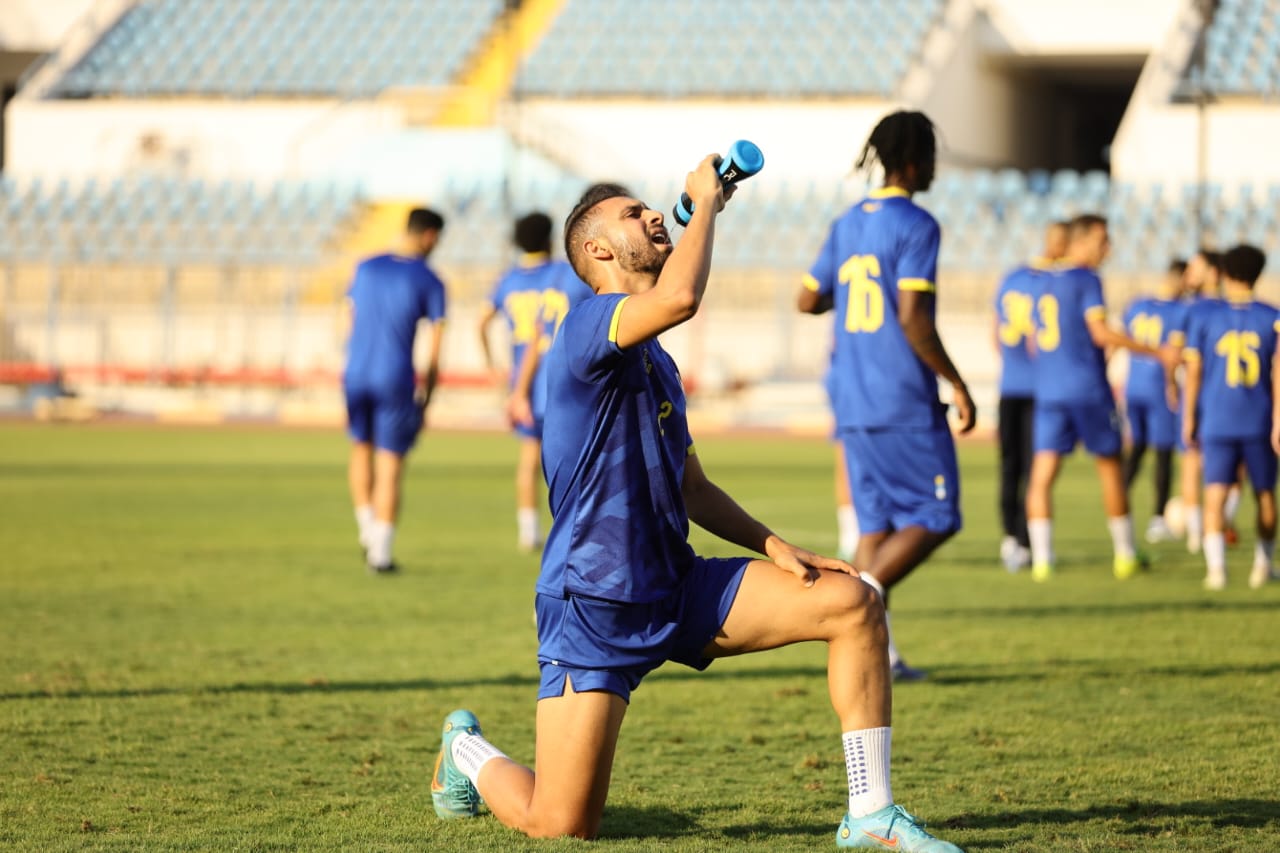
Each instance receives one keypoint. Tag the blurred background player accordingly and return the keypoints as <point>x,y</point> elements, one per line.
<point>533,297</point>
<point>389,297</point>
<point>1199,283</point>
<point>846,515</point>
<point>1231,412</point>
<point>1014,331</point>
<point>621,591</point>
<point>878,271</point>
<point>1074,403</point>
<point>1150,396</point>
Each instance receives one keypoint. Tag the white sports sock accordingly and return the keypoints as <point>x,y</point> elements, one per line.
<point>847,524</point>
<point>1233,504</point>
<point>1121,528</point>
<point>364,518</point>
<point>894,657</point>
<point>1215,554</point>
<point>866,760</point>
<point>1195,525</point>
<point>1041,532</point>
<point>527,527</point>
<point>381,533</point>
<point>1264,552</point>
<point>472,752</point>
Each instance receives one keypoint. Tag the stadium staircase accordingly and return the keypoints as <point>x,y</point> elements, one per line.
<point>491,74</point>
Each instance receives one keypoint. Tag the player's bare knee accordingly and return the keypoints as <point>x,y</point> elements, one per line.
<point>564,826</point>
<point>857,608</point>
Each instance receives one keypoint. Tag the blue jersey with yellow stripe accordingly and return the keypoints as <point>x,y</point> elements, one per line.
<point>1070,367</point>
<point>1015,307</point>
<point>1155,322</point>
<point>1235,343</point>
<point>882,245</point>
<point>614,446</point>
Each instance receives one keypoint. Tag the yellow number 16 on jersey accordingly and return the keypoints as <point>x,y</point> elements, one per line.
<point>865,312</point>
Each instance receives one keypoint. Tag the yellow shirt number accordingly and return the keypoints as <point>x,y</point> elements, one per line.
<point>1240,349</point>
<point>865,312</point>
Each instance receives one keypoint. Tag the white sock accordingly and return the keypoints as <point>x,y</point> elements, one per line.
<point>894,657</point>
<point>364,518</point>
<point>471,752</point>
<point>847,524</point>
<point>1195,524</point>
<point>1264,552</point>
<point>866,760</point>
<point>380,535</point>
<point>1121,528</point>
<point>1215,554</point>
<point>1041,532</point>
<point>527,527</point>
<point>1233,504</point>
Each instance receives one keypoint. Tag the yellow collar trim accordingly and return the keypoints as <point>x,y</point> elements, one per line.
<point>889,192</point>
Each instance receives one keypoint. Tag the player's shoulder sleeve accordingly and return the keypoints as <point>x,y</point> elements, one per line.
<point>499,292</point>
<point>1195,331</point>
<point>590,335</point>
<point>1092,304</point>
<point>920,242</point>
<point>821,278</point>
<point>434,297</point>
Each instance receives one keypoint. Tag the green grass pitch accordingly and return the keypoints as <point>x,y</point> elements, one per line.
<point>193,658</point>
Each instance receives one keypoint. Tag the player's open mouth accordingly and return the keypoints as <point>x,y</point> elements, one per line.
<point>660,237</point>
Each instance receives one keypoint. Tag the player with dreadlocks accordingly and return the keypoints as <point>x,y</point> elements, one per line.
<point>878,271</point>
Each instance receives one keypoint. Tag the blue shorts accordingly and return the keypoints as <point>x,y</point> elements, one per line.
<point>1152,424</point>
<point>903,478</point>
<point>610,645</point>
<point>385,420</point>
<point>1060,426</point>
<point>1222,458</point>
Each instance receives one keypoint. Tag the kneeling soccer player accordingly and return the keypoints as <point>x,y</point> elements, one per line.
<point>620,590</point>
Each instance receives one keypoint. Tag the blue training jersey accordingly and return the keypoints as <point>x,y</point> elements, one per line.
<point>1069,367</point>
<point>388,296</point>
<point>882,245</point>
<point>1156,322</point>
<point>1235,343</point>
<point>1015,307</point>
<point>534,298</point>
<point>614,446</point>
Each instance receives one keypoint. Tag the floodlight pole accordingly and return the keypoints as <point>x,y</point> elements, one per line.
<point>1207,9</point>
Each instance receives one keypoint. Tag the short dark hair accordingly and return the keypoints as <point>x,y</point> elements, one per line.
<point>424,219</point>
<point>1244,264</point>
<point>582,218</point>
<point>900,139</point>
<point>1086,222</point>
<point>533,232</point>
<point>1178,266</point>
<point>1212,258</point>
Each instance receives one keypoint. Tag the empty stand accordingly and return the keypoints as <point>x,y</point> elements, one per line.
<point>675,48</point>
<point>349,48</point>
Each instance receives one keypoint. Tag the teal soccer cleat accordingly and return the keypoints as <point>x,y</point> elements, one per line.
<point>891,828</point>
<point>452,793</point>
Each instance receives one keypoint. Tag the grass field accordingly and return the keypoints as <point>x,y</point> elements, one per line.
<point>194,659</point>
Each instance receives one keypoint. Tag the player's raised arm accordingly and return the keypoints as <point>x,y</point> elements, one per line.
<point>683,278</point>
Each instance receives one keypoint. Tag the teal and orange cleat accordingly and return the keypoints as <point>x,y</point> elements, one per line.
<point>452,793</point>
<point>891,828</point>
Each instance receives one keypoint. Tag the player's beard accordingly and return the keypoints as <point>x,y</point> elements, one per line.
<point>646,257</point>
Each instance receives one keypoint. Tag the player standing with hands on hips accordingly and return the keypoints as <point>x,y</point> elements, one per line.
<point>621,591</point>
<point>878,270</point>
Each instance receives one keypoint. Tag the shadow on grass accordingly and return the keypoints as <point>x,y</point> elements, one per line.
<point>1141,608</point>
<point>1140,817</point>
<point>651,822</point>
<point>1033,671</point>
